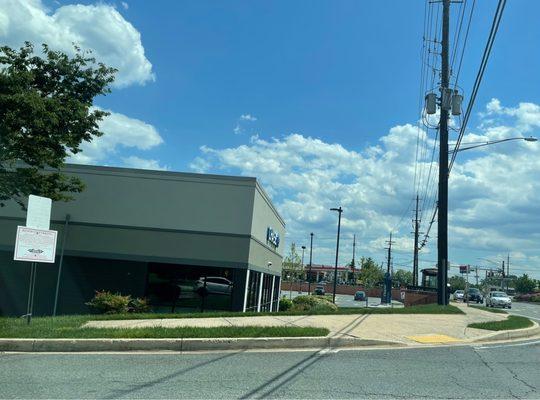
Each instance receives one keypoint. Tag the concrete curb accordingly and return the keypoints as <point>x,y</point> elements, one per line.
<point>513,334</point>
<point>91,345</point>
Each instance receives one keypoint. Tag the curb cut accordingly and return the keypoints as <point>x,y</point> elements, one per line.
<point>513,334</point>
<point>91,345</point>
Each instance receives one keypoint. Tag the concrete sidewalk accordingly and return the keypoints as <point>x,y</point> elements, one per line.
<point>400,328</point>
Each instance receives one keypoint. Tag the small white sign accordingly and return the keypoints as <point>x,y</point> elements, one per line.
<point>38,215</point>
<point>402,295</point>
<point>35,245</point>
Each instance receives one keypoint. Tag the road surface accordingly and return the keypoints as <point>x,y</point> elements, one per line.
<point>529,310</point>
<point>491,371</point>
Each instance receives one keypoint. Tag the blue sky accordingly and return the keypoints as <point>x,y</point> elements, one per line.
<point>319,100</point>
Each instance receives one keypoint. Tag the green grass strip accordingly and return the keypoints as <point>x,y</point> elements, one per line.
<point>490,309</point>
<point>513,322</point>
<point>42,329</point>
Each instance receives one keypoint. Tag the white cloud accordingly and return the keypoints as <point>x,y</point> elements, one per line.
<point>247,117</point>
<point>100,28</point>
<point>124,5</point>
<point>242,121</point>
<point>494,192</point>
<point>143,163</point>
<point>120,132</point>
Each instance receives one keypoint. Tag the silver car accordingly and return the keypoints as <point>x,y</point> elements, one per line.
<point>498,299</point>
<point>459,294</point>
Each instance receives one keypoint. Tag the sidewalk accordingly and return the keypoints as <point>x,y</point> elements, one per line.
<point>401,328</point>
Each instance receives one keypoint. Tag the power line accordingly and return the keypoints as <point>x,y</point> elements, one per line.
<point>487,51</point>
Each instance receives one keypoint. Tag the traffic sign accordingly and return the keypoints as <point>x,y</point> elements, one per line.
<point>38,215</point>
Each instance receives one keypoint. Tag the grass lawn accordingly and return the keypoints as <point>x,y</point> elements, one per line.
<point>490,309</point>
<point>423,309</point>
<point>70,327</point>
<point>513,322</point>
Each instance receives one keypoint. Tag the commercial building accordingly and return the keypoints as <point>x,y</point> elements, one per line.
<point>184,241</point>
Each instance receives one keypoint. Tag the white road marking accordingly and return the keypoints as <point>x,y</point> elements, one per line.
<point>507,345</point>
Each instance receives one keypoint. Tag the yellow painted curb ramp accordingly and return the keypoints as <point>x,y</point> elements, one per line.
<point>435,338</point>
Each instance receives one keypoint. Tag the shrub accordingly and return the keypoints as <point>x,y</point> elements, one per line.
<point>313,304</point>
<point>138,305</point>
<point>285,304</point>
<point>109,303</point>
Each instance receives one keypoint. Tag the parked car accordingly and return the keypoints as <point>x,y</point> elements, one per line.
<point>214,285</point>
<point>458,295</point>
<point>319,290</point>
<point>360,296</point>
<point>475,294</point>
<point>498,299</point>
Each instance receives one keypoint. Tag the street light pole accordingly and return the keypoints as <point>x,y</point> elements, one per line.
<point>303,248</point>
<point>310,260</point>
<point>490,142</point>
<point>339,210</point>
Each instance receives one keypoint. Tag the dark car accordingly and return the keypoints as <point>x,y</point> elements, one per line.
<point>360,296</point>
<point>475,295</point>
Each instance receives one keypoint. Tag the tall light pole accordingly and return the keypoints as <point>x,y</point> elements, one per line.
<point>310,260</point>
<point>339,210</point>
<point>303,248</point>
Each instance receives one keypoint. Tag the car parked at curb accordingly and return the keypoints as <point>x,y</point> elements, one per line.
<point>498,299</point>
<point>458,295</point>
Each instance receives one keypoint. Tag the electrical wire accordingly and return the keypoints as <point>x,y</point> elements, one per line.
<point>485,57</point>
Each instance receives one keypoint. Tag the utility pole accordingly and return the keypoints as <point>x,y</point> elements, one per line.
<point>310,260</point>
<point>442,221</point>
<point>415,258</point>
<point>389,258</point>
<point>476,275</point>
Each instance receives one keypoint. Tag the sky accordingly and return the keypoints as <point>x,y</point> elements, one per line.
<point>321,101</point>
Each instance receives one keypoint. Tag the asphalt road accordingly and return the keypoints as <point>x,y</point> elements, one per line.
<point>496,371</point>
<point>343,300</point>
<point>529,310</point>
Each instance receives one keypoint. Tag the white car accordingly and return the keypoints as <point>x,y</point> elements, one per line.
<point>498,299</point>
<point>214,285</point>
<point>459,295</point>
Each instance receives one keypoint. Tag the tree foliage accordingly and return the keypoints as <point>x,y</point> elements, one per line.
<point>524,284</point>
<point>403,277</point>
<point>292,263</point>
<point>457,282</point>
<point>45,114</point>
<point>370,273</point>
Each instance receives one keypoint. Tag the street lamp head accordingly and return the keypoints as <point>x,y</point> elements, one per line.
<point>530,139</point>
<point>337,209</point>
<point>303,247</point>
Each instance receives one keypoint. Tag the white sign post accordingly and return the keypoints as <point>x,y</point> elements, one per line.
<point>35,242</point>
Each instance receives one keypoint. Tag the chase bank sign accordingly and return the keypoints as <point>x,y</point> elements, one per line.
<point>272,237</point>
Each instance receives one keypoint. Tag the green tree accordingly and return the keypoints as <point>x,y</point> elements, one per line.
<point>292,263</point>
<point>457,282</point>
<point>370,273</point>
<point>45,114</point>
<point>524,284</point>
<point>402,277</point>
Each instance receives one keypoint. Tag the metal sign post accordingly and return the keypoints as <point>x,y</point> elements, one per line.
<point>35,243</point>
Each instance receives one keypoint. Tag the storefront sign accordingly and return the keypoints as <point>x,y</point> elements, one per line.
<point>272,237</point>
<point>35,245</point>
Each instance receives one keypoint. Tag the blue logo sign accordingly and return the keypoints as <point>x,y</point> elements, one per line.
<point>272,237</point>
